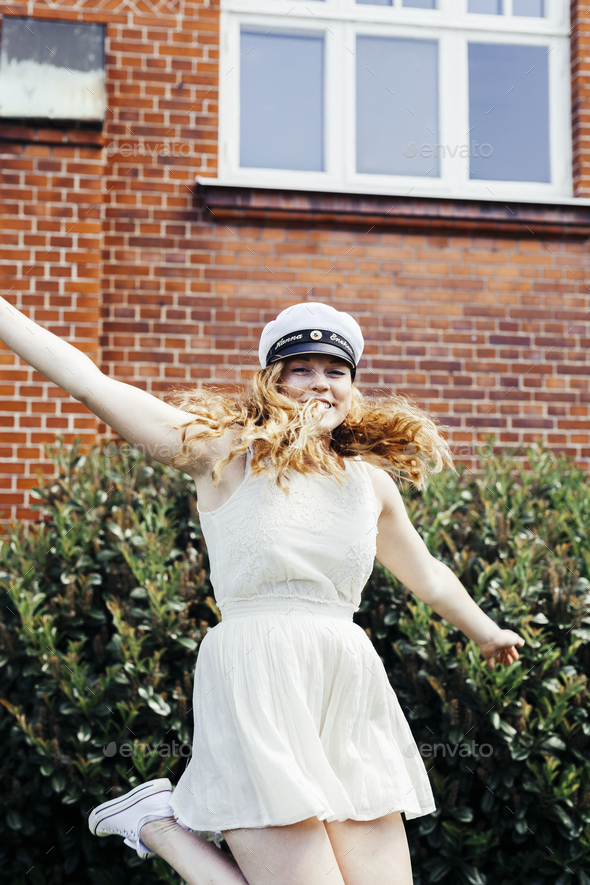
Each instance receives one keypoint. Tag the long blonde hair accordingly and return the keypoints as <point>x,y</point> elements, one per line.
<point>388,432</point>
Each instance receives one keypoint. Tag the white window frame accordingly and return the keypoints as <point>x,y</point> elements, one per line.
<point>453,28</point>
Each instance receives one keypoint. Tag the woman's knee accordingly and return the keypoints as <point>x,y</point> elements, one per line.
<point>296,854</point>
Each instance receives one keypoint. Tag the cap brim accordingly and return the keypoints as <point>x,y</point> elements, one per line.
<point>320,347</point>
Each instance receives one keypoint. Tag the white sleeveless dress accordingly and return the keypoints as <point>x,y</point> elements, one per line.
<point>294,714</point>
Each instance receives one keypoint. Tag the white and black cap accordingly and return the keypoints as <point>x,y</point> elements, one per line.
<point>312,327</point>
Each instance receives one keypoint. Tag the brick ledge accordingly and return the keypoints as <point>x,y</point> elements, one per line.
<point>245,203</point>
<point>48,135</point>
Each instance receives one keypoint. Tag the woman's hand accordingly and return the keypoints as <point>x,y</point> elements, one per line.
<point>501,648</point>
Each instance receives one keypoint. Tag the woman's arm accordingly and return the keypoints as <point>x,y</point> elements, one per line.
<point>401,550</point>
<point>137,416</point>
<point>59,361</point>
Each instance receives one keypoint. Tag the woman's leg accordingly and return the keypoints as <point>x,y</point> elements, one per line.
<point>297,854</point>
<point>196,860</point>
<point>372,851</point>
<point>306,853</point>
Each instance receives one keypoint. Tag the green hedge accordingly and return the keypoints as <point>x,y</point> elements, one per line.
<point>107,598</point>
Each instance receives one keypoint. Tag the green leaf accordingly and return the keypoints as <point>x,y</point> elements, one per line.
<point>116,530</point>
<point>519,753</point>
<point>562,816</point>
<point>553,742</point>
<point>187,642</point>
<point>13,819</point>
<point>158,705</point>
<point>84,732</point>
<point>487,801</point>
<point>67,578</point>
<point>462,813</point>
<point>94,579</point>
<point>390,617</point>
<point>507,729</point>
<point>473,875</point>
<point>439,870</point>
<point>67,709</point>
<point>59,782</point>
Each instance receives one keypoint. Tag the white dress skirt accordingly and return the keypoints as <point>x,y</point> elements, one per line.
<point>294,714</point>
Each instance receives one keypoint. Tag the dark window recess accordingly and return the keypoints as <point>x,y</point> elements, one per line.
<point>52,70</point>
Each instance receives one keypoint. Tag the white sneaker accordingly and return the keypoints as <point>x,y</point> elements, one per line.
<point>126,815</point>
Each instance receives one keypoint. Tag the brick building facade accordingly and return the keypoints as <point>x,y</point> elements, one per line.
<point>478,309</point>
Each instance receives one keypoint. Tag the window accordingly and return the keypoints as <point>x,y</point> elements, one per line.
<point>467,98</point>
<point>281,101</point>
<point>51,70</point>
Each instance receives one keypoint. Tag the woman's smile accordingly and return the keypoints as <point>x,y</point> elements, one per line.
<point>323,378</point>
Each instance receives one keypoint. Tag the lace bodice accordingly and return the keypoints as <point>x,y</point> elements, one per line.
<point>317,542</point>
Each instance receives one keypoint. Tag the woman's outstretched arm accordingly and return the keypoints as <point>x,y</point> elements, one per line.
<point>401,550</point>
<point>59,361</point>
<point>137,416</point>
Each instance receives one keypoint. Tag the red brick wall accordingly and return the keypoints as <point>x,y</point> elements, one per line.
<point>488,333</point>
<point>50,266</point>
<point>580,65</point>
<point>126,245</point>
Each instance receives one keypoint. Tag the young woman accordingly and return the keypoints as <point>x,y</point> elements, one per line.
<point>302,756</point>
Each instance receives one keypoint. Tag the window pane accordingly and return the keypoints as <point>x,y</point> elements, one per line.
<point>488,7</point>
<point>52,70</point>
<point>396,106</point>
<point>281,101</point>
<point>509,112</point>
<point>528,7</point>
<point>376,2</point>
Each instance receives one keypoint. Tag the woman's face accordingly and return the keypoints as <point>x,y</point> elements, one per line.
<point>321,377</point>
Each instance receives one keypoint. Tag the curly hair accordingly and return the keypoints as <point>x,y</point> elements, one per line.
<point>286,435</point>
